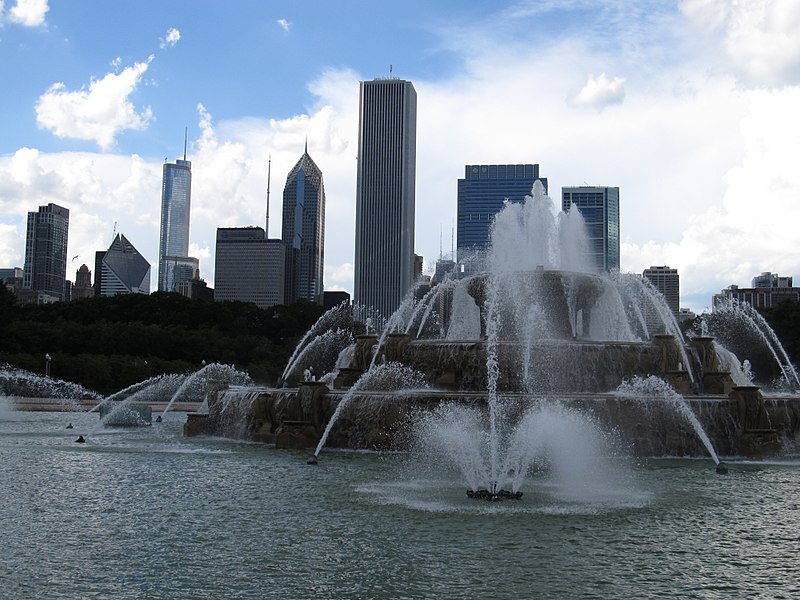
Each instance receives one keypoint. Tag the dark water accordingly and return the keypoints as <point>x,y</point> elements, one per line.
<point>146,513</point>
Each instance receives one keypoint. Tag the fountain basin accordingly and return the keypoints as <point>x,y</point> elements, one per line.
<point>384,420</point>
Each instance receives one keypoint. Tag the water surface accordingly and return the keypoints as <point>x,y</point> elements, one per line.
<point>147,513</point>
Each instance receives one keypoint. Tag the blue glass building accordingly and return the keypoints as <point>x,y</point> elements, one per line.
<point>599,207</point>
<point>303,230</point>
<point>176,196</point>
<point>481,195</point>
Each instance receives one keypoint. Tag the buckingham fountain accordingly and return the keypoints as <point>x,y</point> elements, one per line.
<point>520,368</point>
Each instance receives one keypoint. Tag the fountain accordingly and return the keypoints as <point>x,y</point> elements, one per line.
<point>537,364</point>
<point>39,392</point>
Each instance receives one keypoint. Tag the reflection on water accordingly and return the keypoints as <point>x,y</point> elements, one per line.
<point>146,513</point>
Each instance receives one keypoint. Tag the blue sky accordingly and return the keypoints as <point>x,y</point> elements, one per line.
<point>688,106</point>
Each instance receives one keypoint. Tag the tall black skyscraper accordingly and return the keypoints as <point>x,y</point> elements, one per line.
<point>304,231</point>
<point>387,155</point>
<point>46,251</point>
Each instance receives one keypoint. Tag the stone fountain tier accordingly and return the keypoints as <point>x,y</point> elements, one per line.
<point>385,420</point>
<point>560,295</point>
<point>551,366</point>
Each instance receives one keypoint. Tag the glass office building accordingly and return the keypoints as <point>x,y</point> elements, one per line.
<point>121,270</point>
<point>481,195</point>
<point>303,230</point>
<point>45,269</point>
<point>599,207</point>
<point>385,194</point>
<point>176,196</point>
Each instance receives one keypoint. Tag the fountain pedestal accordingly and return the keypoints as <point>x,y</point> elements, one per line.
<point>757,438</point>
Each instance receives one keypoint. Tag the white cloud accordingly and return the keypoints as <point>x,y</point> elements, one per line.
<point>12,246</point>
<point>172,37</point>
<point>284,24</point>
<point>98,189</point>
<point>29,13</point>
<point>98,114</point>
<point>759,36</point>
<point>599,92</point>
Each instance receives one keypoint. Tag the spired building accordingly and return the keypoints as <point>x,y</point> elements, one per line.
<point>599,207</point>
<point>249,267</point>
<point>481,195</point>
<point>45,269</point>
<point>176,196</point>
<point>304,232</point>
<point>121,270</point>
<point>386,175</point>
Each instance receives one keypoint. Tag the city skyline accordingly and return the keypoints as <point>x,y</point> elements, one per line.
<point>687,107</point>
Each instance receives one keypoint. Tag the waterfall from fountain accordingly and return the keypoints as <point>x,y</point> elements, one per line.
<point>338,317</point>
<point>742,312</point>
<point>652,387</point>
<point>389,376</point>
<point>319,355</point>
<point>155,389</point>
<point>196,384</point>
<point>21,383</point>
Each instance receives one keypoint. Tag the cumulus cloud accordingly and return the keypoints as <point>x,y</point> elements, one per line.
<point>172,37</point>
<point>599,92</point>
<point>98,189</point>
<point>759,37</point>
<point>29,13</point>
<point>284,24</point>
<point>98,113</point>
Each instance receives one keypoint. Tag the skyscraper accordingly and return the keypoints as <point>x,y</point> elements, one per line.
<point>249,267</point>
<point>304,231</point>
<point>386,174</point>
<point>667,281</point>
<point>121,270</point>
<point>45,269</point>
<point>176,196</point>
<point>599,207</point>
<point>481,195</point>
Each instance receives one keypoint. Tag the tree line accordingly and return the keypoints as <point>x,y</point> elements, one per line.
<point>108,343</point>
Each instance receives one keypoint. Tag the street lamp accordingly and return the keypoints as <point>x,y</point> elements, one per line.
<point>47,365</point>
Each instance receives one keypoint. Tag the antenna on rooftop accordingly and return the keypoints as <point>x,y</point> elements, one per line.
<point>452,241</point>
<point>114,233</point>
<point>440,241</point>
<point>269,171</point>
<point>185,140</point>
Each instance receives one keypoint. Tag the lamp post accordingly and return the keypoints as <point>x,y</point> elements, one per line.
<point>47,365</point>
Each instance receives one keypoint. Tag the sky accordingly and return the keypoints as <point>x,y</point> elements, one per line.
<point>689,107</point>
